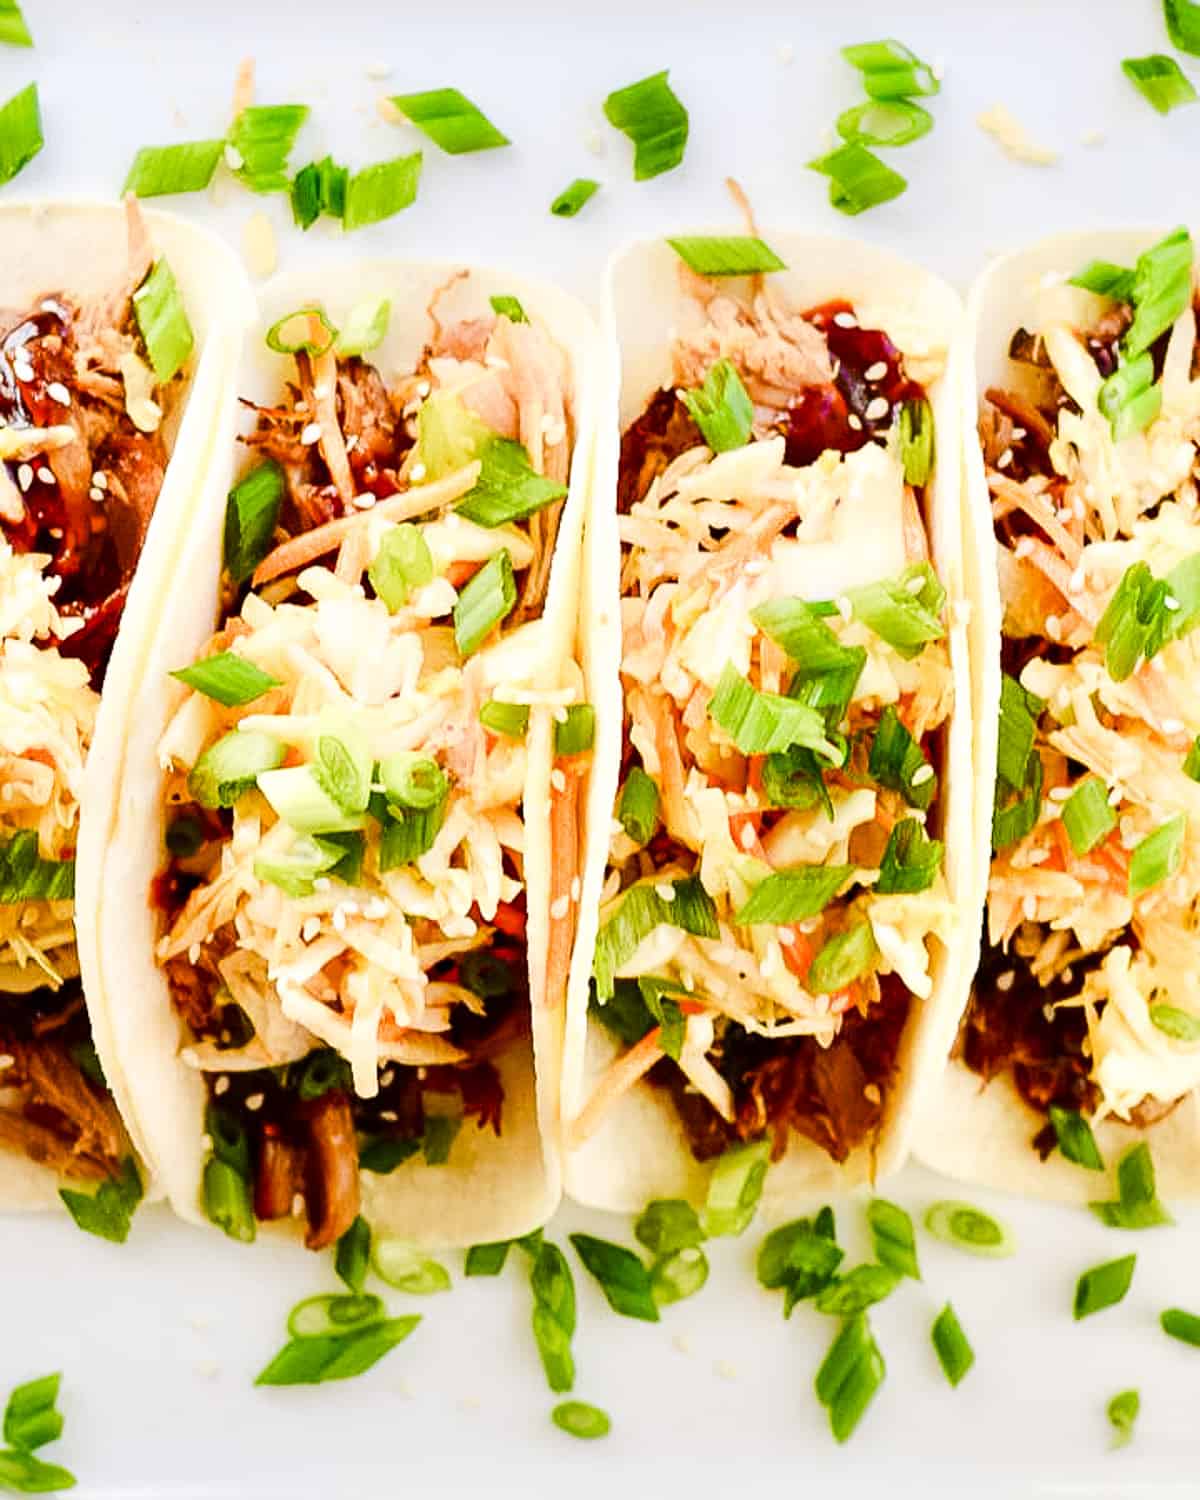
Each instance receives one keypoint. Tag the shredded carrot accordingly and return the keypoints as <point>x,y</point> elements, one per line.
<point>564,863</point>
<point>798,954</point>
<point>243,86</point>
<point>620,1077</point>
<point>318,381</point>
<point>459,573</point>
<point>1041,511</point>
<point>298,551</point>
<point>666,743</point>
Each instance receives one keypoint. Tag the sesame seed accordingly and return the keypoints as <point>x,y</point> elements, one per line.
<point>1114,797</point>
<point>559,908</point>
<point>1059,793</point>
<point>557,780</point>
<point>1006,980</point>
<point>1029,908</point>
<point>1054,627</point>
<point>310,929</point>
<point>387,1078</point>
<point>1076,581</point>
<point>575,888</point>
<point>388,1116</point>
<point>877,409</point>
<point>423,389</point>
<point>1172,726</point>
<point>45,474</point>
<point>665,890</point>
<point>56,532</point>
<point>844,607</point>
<point>560,715</point>
<point>915,584</point>
<point>58,392</point>
<point>221,1086</point>
<point>877,371</point>
<point>786,937</point>
<point>364,501</point>
<point>234,159</point>
<point>1067,975</point>
<point>417,473</point>
<point>96,495</point>
<point>311,434</point>
<point>352,442</point>
<point>297,1205</point>
<point>845,320</point>
<point>23,370</point>
<point>854,421</point>
<point>1018,433</point>
<point>254,1101</point>
<point>24,476</point>
<point>1005,459</point>
<point>1171,603</point>
<point>921,775</point>
<point>322,883</point>
<point>747,836</point>
<point>1024,546</point>
<point>1048,1012</point>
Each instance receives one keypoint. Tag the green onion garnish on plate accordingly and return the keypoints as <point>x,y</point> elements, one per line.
<point>969,1228</point>
<point>1123,1412</point>
<point>1183,25</point>
<point>759,723</point>
<point>508,307</point>
<point>553,1289</point>
<point>1184,1326</point>
<point>381,190</point>
<point>227,678</point>
<point>339,1356</point>
<point>260,142</point>
<point>319,188</point>
<point>1103,1286</point>
<point>573,197</point>
<point>884,122</point>
<point>32,1418</point>
<point>951,1345</point>
<point>679,1275</point>
<point>336,1312</point>
<point>109,1211</point>
<point>726,254</point>
<point>580,1420</point>
<point>20,132</point>
<point>366,326</point>
<point>858,1289</point>
<point>858,180</point>
<point>407,1268</point>
<point>14,32</point>
<point>641,909</point>
<point>667,1225</point>
<point>186,167</point>
<point>487,1260</point>
<point>911,860</point>
<point>650,113</point>
<point>622,1276</point>
<point>895,1242</point>
<point>734,1189</point>
<point>353,1254</point>
<point>1138,1205</point>
<point>1160,81</point>
<point>850,1374</point>
<point>306,330</point>
<point>1105,279</point>
<point>450,120</point>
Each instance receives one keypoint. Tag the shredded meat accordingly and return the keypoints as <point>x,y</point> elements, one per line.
<point>65,1123</point>
<point>331,1177</point>
<point>652,443</point>
<point>375,440</point>
<point>278,1174</point>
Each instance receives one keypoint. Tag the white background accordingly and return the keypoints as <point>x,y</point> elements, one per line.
<point>159,1339</point>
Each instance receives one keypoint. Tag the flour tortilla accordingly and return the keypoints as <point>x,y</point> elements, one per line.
<point>639,1152</point>
<point>975,1132</point>
<point>491,1187</point>
<point>81,248</point>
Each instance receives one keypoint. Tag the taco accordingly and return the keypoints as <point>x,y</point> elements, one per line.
<point>115,339</point>
<point>1081,495</point>
<point>776,949</point>
<point>354,807</point>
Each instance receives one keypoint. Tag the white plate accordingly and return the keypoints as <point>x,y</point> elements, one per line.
<point>159,1340</point>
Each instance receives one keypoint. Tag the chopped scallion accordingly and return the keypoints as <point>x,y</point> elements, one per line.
<point>262,137</point>
<point>1184,1326</point>
<point>1123,1413</point>
<point>642,908</point>
<point>484,602</point>
<point>1179,1025</point>
<point>580,1420</point>
<point>576,734</point>
<point>231,766</point>
<point>450,120</point>
<point>250,516</point>
<point>381,190</point>
<point>969,1228</point>
<point>1160,81</point>
<point>726,254</point>
<point>734,1189</point>
<point>884,122</point>
<point>1087,815</point>
<point>951,1345</point>
<point>721,409</point>
<point>850,1374</point>
<point>916,441</point>
<point>573,197</point>
<point>20,131</point>
<point>622,1276</point>
<point>508,307</point>
<point>858,180</point>
<point>895,1242</point>
<point>911,860</point>
<point>637,806</point>
<point>650,113</point>
<point>1075,1138</point>
<point>227,678</point>
<point>508,719</point>
<point>842,959</point>
<point>1158,856</point>
<point>366,326</point>
<point>787,896</point>
<point>402,565</point>
<point>1103,1286</point>
<point>760,723</point>
<point>187,167</point>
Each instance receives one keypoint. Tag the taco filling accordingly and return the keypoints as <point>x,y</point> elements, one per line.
<point>81,416</point>
<point>344,900</point>
<point>1088,995</point>
<point>774,889</point>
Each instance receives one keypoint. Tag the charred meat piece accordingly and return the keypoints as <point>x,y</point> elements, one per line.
<point>279,1174</point>
<point>64,1122</point>
<point>652,443</point>
<point>331,1170</point>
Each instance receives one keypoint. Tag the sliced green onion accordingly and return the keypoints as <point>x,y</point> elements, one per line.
<point>911,861</point>
<point>656,993</point>
<point>14,31</point>
<point>408,834</point>
<point>798,1252</point>
<point>897,762</point>
<point>336,1312</point>
<point>341,765</point>
<point>726,254</point>
<point>624,1012</point>
<point>1162,290</point>
<point>441,1131</point>
<point>353,1254</point>
<point>1020,817</point>
<point>858,180</point>
<point>895,1242</point>
<point>250,517</point>
<point>554,1349</point>
<point>842,959</point>
<point>787,896</point>
<point>449,435</point>
<point>406,1268</point>
<point>916,441</point>
<point>1103,1286</point>
<point>230,1143</point>
<point>580,1420</point>
<point>20,132</point>
<point>366,326</point>
<point>508,719</point>
<point>228,1200</point>
<point>795,779</point>
<point>295,869</point>
<point>721,409</point>
<point>412,780</point>
<point>1087,816</point>
<point>227,678</point>
<point>623,1278</point>
<point>734,1188</point>
<point>450,120</point>
<point>508,489</point>
<point>677,1276</point>
<point>850,1374</point>
<point>654,119</point>
<point>1018,727</point>
<point>901,82</point>
<point>1160,81</point>
<point>1137,1205</point>
<point>905,611</point>
<point>298,797</point>
<point>296,332</point>
<point>1184,1326</point>
<point>1105,279</point>
<point>1129,398</point>
<point>796,627</point>
<point>26,876</point>
<point>759,723</point>
<point>402,565</point>
<point>379,191</point>
<point>31,1417</point>
<point>184,168</point>
<point>162,321</point>
<point>319,188</point>
<point>884,122</point>
<point>642,909</point>
<point>1158,856</point>
<point>484,602</point>
<point>487,1260</point>
<point>573,197</point>
<point>553,1289</point>
<point>262,137</point>
<point>341,1356</point>
<point>576,734</point>
<point>874,57</point>
<point>1123,1413</point>
<point>969,1228</point>
<point>637,806</point>
<point>1136,622</point>
<point>384,1153</point>
<point>508,307</point>
<point>1075,1138</point>
<point>1183,25</point>
<point>109,1211</point>
<point>1179,1025</point>
<point>25,1474</point>
<point>1191,765</point>
<point>951,1345</point>
<point>668,1225</point>
<point>857,1290</point>
<point>231,767</point>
